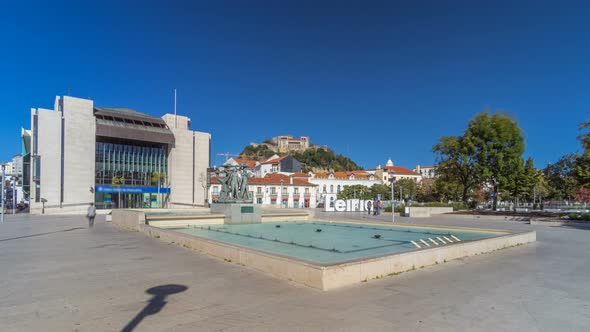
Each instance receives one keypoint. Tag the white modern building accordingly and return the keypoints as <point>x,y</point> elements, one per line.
<point>113,157</point>
<point>427,172</point>
<point>17,165</point>
<point>334,182</point>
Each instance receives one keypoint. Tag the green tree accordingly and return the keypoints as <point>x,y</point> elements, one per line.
<point>447,189</point>
<point>407,187</point>
<point>498,144</point>
<point>456,163</point>
<point>561,177</point>
<point>355,191</point>
<point>585,138</point>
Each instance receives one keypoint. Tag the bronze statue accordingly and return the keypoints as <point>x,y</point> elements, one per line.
<point>234,184</point>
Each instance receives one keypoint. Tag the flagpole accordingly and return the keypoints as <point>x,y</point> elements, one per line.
<point>175,117</point>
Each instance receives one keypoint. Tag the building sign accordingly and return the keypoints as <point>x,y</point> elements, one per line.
<point>350,205</point>
<point>131,190</point>
<point>247,209</point>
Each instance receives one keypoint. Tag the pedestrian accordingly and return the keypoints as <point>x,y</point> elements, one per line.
<point>90,215</point>
<point>378,207</point>
<point>375,206</point>
<point>369,206</point>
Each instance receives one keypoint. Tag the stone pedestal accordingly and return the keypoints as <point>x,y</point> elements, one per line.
<point>238,213</point>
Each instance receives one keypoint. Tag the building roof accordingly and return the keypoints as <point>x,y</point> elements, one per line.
<point>273,161</point>
<point>126,123</point>
<point>248,162</point>
<point>400,170</point>
<point>300,175</point>
<point>273,179</point>
<point>127,113</point>
<point>358,174</point>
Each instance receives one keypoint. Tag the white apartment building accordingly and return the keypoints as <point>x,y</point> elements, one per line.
<point>278,190</point>
<point>427,172</point>
<point>334,182</point>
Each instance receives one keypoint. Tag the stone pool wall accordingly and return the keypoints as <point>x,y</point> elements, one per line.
<point>324,277</point>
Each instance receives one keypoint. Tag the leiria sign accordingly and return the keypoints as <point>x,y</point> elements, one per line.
<point>339,205</point>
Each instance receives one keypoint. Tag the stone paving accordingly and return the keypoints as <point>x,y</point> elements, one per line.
<point>57,275</point>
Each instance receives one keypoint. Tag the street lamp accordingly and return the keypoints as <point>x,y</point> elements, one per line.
<point>3,172</point>
<point>392,180</point>
<point>281,194</point>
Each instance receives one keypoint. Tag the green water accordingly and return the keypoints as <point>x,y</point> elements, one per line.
<point>326,243</point>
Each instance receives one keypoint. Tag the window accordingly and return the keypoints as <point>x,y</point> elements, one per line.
<point>273,190</point>
<point>331,188</point>
<point>324,189</point>
<point>259,200</point>
<point>338,189</point>
<point>284,190</point>
<point>296,191</point>
<point>259,190</point>
<point>306,191</point>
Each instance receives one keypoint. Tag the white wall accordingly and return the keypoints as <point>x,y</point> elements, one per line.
<point>49,150</point>
<point>79,150</point>
<point>186,186</point>
<point>202,155</point>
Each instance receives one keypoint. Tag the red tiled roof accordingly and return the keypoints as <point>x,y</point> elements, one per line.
<point>248,162</point>
<point>273,179</point>
<point>428,166</point>
<point>358,174</point>
<point>399,170</point>
<point>274,161</point>
<point>300,175</point>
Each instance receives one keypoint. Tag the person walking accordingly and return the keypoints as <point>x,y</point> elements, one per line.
<point>378,207</point>
<point>369,206</point>
<point>90,215</point>
<point>375,206</point>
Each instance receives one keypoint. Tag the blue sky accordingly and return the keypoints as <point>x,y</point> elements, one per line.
<point>371,79</point>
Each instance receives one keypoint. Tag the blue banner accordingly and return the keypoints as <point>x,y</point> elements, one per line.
<point>131,190</point>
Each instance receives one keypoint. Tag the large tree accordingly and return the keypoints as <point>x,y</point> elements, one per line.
<point>456,166</point>
<point>561,177</point>
<point>498,145</point>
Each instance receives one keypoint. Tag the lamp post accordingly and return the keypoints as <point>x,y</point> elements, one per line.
<point>3,171</point>
<point>392,205</point>
<point>281,194</point>
<point>13,194</point>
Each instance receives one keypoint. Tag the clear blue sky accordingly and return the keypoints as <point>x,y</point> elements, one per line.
<point>370,79</point>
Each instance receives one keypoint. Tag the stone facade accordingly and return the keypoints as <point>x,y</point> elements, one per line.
<point>63,141</point>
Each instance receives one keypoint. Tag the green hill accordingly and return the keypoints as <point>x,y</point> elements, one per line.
<point>313,159</point>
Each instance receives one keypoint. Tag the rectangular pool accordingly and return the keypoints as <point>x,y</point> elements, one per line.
<point>328,243</point>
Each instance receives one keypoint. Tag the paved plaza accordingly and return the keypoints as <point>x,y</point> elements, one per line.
<point>58,275</point>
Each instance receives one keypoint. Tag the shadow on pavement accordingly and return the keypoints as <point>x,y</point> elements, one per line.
<point>33,235</point>
<point>156,303</point>
<point>577,226</point>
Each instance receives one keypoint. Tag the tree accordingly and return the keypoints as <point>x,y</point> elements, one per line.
<point>561,177</point>
<point>407,187</point>
<point>355,191</point>
<point>426,191</point>
<point>447,189</point>
<point>498,144</point>
<point>585,138</point>
<point>456,163</point>
<point>521,183</point>
<point>583,195</point>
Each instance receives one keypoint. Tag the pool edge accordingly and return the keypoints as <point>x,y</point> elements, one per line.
<point>332,276</point>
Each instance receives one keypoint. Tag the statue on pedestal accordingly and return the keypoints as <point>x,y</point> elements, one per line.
<point>234,184</point>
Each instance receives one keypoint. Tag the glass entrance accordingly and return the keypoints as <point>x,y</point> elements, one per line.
<point>126,201</point>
